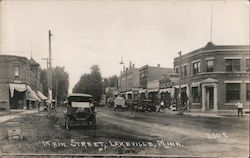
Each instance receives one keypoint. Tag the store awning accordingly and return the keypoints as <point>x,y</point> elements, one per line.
<point>17,87</point>
<point>142,91</point>
<point>169,90</point>
<point>32,95</point>
<point>41,96</point>
<point>153,90</point>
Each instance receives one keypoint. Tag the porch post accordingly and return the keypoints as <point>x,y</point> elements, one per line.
<point>215,97</point>
<point>203,98</point>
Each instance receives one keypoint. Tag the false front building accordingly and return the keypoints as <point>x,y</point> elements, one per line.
<point>215,77</point>
<point>19,83</point>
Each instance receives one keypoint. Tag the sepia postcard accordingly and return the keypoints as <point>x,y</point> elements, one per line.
<point>124,78</point>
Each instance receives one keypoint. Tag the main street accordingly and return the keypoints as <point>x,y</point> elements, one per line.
<point>147,133</point>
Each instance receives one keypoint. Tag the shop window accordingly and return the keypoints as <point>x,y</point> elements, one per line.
<point>17,71</point>
<point>196,67</point>
<point>248,65</point>
<point>232,65</point>
<point>232,92</point>
<point>248,91</point>
<point>210,65</point>
<point>195,95</point>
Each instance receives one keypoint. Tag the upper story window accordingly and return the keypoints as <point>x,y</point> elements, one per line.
<point>196,67</point>
<point>248,65</point>
<point>177,70</point>
<point>16,71</point>
<point>232,65</point>
<point>184,73</point>
<point>210,65</point>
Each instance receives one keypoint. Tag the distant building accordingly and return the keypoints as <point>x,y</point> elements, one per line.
<point>215,77</point>
<point>129,82</point>
<point>150,80</point>
<point>19,82</point>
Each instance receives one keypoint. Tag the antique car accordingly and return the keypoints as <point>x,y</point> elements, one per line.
<point>142,105</point>
<point>119,103</point>
<point>79,110</point>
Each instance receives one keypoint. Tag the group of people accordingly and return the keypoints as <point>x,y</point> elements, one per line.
<point>185,104</point>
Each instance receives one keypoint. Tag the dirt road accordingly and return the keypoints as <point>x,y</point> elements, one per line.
<point>144,133</point>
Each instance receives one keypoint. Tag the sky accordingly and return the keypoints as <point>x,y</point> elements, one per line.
<point>102,32</point>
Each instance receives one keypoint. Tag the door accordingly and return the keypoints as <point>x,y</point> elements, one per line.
<point>210,98</point>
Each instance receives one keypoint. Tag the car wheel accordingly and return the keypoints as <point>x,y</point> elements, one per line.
<point>67,124</point>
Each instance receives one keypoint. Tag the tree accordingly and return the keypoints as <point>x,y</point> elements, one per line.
<point>90,83</point>
<point>110,82</point>
<point>60,76</point>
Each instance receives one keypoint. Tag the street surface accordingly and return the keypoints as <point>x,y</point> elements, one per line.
<point>146,133</point>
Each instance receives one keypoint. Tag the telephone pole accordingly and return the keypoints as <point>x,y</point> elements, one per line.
<point>179,99</point>
<point>49,75</point>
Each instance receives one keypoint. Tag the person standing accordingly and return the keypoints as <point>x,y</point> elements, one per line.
<point>240,108</point>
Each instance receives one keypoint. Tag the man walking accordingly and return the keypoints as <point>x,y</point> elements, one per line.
<point>240,108</point>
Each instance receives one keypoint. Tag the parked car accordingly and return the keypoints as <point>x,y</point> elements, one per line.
<point>173,107</point>
<point>119,103</point>
<point>80,109</point>
<point>143,105</point>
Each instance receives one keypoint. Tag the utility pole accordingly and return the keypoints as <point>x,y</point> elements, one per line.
<point>179,99</point>
<point>49,75</point>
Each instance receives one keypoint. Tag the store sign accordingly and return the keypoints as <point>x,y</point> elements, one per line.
<point>222,75</point>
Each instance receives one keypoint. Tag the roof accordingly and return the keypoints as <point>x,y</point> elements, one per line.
<point>212,47</point>
<point>79,95</point>
<point>33,62</point>
<point>8,58</point>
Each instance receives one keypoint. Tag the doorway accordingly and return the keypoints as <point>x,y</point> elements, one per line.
<point>209,98</point>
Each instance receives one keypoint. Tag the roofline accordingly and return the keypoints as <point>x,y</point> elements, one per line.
<point>215,48</point>
<point>13,56</point>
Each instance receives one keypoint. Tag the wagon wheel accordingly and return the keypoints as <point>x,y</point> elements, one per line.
<point>67,123</point>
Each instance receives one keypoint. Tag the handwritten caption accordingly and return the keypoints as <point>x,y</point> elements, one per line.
<point>217,135</point>
<point>110,144</point>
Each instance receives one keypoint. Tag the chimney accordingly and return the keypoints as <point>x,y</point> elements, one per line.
<point>133,65</point>
<point>158,65</point>
<point>130,65</point>
<point>123,68</point>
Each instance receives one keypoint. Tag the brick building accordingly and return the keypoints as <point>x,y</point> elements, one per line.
<point>149,80</point>
<point>129,82</point>
<point>215,77</point>
<point>19,82</point>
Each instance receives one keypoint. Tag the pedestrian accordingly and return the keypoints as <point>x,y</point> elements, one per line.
<point>240,108</point>
<point>188,104</point>
<point>162,106</point>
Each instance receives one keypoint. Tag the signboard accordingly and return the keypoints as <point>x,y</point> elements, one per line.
<point>222,75</point>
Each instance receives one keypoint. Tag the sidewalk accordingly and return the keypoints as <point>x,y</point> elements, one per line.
<point>17,113</point>
<point>219,114</point>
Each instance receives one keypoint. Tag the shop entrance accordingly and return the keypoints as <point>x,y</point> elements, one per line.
<point>210,98</point>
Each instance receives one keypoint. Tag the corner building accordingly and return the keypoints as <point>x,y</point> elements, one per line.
<point>215,77</point>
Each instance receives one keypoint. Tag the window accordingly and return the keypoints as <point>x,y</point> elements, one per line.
<point>232,92</point>
<point>210,65</point>
<point>248,65</point>
<point>17,69</point>
<point>248,91</point>
<point>195,95</point>
<point>184,73</point>
<point>232,65</point>
<point>196,67</point>
<point>177,70</point>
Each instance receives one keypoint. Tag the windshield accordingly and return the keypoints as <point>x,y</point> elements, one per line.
<point>79,99</point>
<point>80,104</point>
